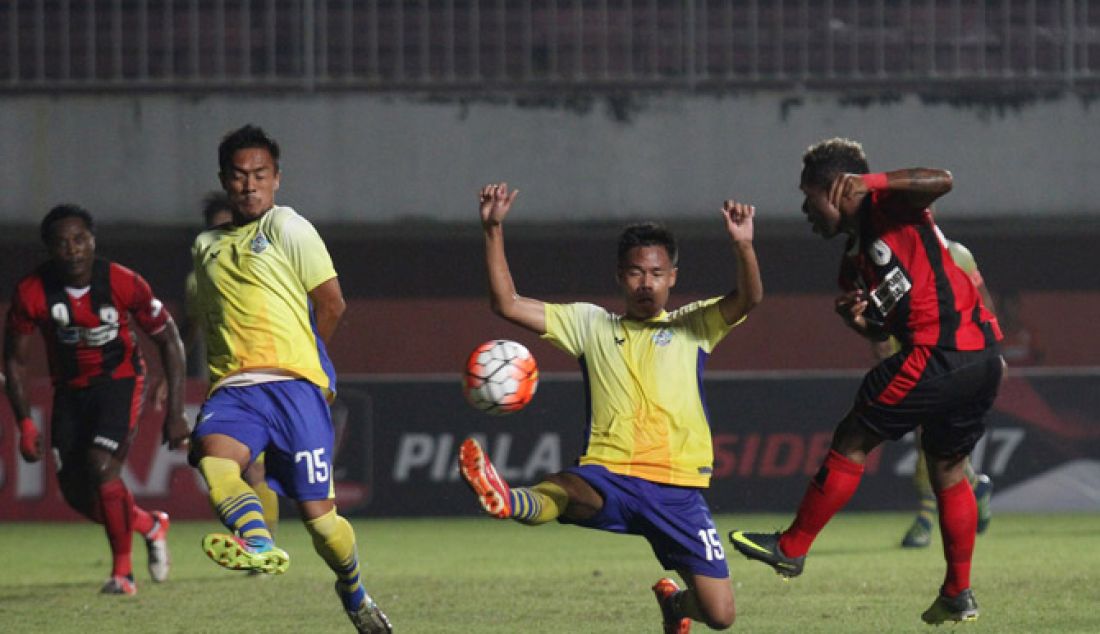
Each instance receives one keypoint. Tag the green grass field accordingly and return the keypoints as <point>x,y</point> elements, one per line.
<point>1032,573</point>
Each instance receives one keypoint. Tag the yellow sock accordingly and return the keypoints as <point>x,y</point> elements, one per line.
<point>334,541</point>
<point>920,477</point>
<point>538,504</point>
<point>233,500</point>
<point>268,498</point>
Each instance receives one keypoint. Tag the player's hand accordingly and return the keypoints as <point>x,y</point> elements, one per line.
<point>495,201</point>
<point>846,192</point>
<point>738,218</point>
<point>851,306</point>
<point>177,433</point>
<point>30,441</point>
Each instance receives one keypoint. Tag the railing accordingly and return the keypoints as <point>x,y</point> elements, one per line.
<point>531,44</point>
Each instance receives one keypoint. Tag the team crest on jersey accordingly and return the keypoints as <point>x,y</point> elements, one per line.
<point>259,243</point>
<point>880,253</point>
<point>662,337</point>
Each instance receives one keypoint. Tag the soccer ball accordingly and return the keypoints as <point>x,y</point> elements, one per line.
<point>501,377</point>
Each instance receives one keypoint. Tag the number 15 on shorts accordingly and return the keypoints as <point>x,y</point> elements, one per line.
<point>711,544</point>
<point>316,468</point>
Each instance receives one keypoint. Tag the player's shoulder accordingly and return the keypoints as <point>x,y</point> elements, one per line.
<point>32,283</point>
<point>281,217</point>
<point>125,282</point>
<point>284,223</point>
<point>120,273</point>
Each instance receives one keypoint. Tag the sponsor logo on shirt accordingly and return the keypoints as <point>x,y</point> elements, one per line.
<point>75,335</point>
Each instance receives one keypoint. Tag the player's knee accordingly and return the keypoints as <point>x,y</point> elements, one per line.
<point>719,613</point>
<point>722,619</point>
<point>102,467</point>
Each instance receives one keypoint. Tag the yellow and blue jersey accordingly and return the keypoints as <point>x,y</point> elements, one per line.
<point>644,383</point>
<point>252,283</point>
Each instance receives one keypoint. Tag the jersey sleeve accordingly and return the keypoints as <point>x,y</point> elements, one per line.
<point>305,250</point>
<point>568,326</point>
<point>22,318</point>
<point>148,311</point>
<point>704,320</point>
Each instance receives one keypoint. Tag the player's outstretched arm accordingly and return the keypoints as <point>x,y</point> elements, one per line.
<point>170,347</point>
<point>495,203</point>
<point>918,187</point>
<point>16,356</point>
<point>750,288</point>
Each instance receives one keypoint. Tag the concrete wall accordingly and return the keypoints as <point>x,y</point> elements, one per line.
<point>378,158</point>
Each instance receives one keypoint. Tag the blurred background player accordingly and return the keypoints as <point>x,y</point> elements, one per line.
<point>86,309</point>
<point>898,280</point>
<point>271,298</point>
<point>644,475</point>
<point>216,212</point>
<point>919,534</point>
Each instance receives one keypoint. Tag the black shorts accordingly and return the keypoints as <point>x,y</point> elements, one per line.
<point>945,392</point>
<point>103,415</point>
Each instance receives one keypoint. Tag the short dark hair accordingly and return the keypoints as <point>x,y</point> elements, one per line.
<point>247,136</point>
<point>647,234</point>
<point>212,203</point>
<point>61,212</point>
<point>822,163</point>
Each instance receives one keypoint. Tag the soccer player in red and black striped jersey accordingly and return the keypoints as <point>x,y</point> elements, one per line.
<point>898,280</point>
<point>86,309</point>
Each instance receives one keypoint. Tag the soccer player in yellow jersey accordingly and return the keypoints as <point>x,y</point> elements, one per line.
<point>217,211</point>
<point>648,452</point>
<point>270,299</point>
<point>919,534</point>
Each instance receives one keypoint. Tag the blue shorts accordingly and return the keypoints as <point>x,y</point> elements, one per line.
<point>674,520</point>
<point>289,422</point>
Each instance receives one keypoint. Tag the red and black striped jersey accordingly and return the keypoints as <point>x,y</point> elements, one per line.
<point>88,332</point>
<point>915,289</point>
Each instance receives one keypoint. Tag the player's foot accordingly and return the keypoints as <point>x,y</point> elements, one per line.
<point>955,609</point>
<point>156,543</point>
<point>368,618</point>
<point>664,590</point>
<point>119,585</point>
<point>232,552</point>
<point>765,547</point>
<point>983,492</point>
<point>919,534</point>
<point>492,492</point>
